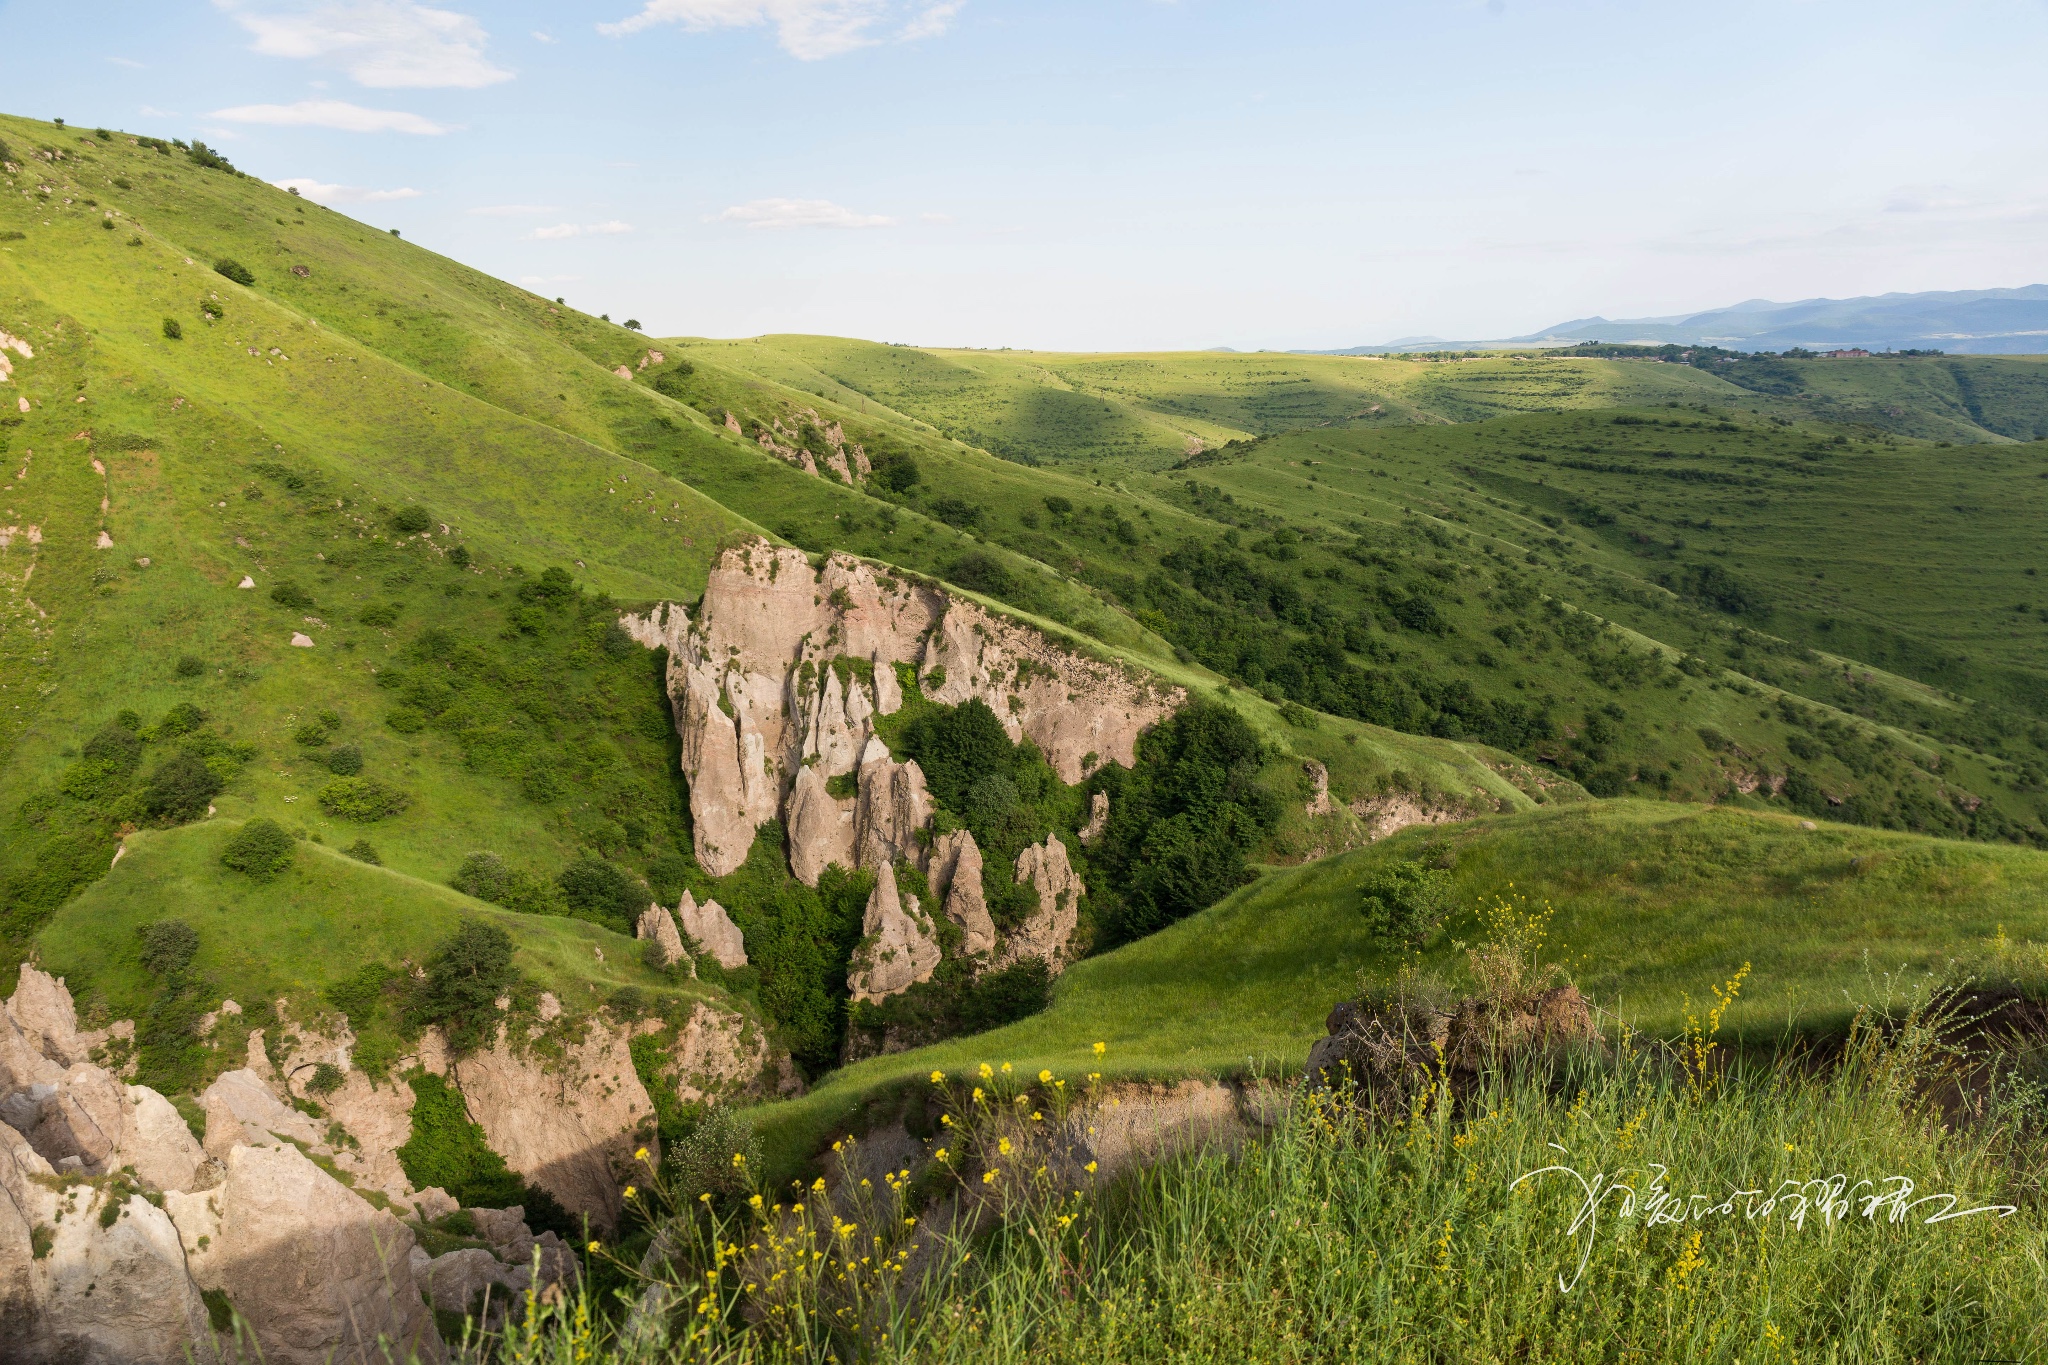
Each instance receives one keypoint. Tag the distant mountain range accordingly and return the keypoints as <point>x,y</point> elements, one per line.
<point>1965,322</point>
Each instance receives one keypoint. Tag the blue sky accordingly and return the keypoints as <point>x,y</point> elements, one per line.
<point>1115,174</point>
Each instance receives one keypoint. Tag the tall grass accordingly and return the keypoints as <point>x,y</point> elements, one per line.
<point>1424,1236</point>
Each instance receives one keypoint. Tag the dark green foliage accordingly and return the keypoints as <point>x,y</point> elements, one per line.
<point>412,519</point>
<point>179,789</point>
<point>262,849</point>
<point>362,798</point>
<point>379,614</point>
<point>214,309</point>
<point>465,977</point>
<point>289,594</point>
<point>182,719</point>
<point>958,512</point>
<point>326,1079</point>
<point>174,330</point>
<point>190,667</point>
<point>362,851</point>
<point>674,380</point>
<point>981,572</point>
<point>220,1314</point>
<point>485,876</point>
<point>1405,900</point>
<point>702,1163</point>
<point>313,736</point>
<point>168,946</point>
<point>448,1150</point>
<point>1006,995</point>
<point>234,270</point>
<point>459,556</point>
<point>1182,823</point>
<point>199,154</point>
<point>344,760</point>
<point>955,746</point>
<point>1714,586</point>
<point>897,471</point>
<point>406,720</point>
<point>603,893</point>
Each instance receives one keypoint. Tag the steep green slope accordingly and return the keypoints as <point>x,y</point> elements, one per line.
<point>1653,905</point>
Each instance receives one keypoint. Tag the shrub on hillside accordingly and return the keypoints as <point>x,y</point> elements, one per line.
<point>406,720</point>
<point>362,798</point>
<point>412,519</point>
<point>233,270</point>
<point>344,760</point>
<point>958,512</point>
<point>290,594</point>
<point>261,849</point>
<point>486,876</point>
<point>603,892</point>
<point>182,719</point>
<point>180,789</point>
<point>1405,900</point>
<point>190,666</point>
<point>168,946</point>
<point>464,979</point>
<point>174,330</point>
<point>313,736</point>
<point>363,852</point>
<point>448,1150</point>
<point>981,572</point>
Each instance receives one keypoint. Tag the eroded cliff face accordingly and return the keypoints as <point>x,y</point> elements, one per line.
<point>777,681</point>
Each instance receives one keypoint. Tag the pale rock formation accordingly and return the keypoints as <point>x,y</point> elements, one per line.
<point>1098,819</point>
<point>458,1281</point>
<point>713,931</point>
<point>241,1111</point>
<point>155,1141</point>
<point>515,1245</point>
<point>377,1113</point>
<point>892,810</point>
<point>717,1053</point>
<point>255,1057</point>
<point>956,876</point>
<point>119,1292</point>
<point>318,1273</point>
<point>755,694</point>
<point>1045,934</point>
<point>898,948</point>
<point>1319,778</point>
<point>657,928</point>
<point>1395,811</point>
<point>566,1126</point>
<point>820,827</point>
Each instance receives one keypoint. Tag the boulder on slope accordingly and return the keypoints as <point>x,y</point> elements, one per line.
<point>1045,934</point>
<point>713,931</point>
<point>657,928</point>
<point>956,876</point>
<point>898,947</point>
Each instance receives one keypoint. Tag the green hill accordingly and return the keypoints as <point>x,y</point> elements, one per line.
<point>1470,587</point>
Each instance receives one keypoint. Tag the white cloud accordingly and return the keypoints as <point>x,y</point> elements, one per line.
<point>562,230</point>
<point>801,213</point>
<point>807,29</point>
<point>151,111</point>
<point>349,118</point>
<point>540,37</point>
<point>322,193</point>
<point>511,210</point>
<point>384,44</point>
<point>132,65</point>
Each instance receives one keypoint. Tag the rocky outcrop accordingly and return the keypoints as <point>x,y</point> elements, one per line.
<point>568,1126</point>
<point>712,930</point>
<point>1098,819</point>
<point>956,876</point>
<point>1046,933</point>
<point>118,1291</point>
<point>1319,802</point>
<point>893,810</point>
<point>241,1111</point>
<point>1389,1047</point>
<point>42,1009</point>
<point>898,948</point>
<point>776,683</point>
<point>657,929</point>
<point>716,1055</point>
<point>318,1273</point>
<point>1395,811</point>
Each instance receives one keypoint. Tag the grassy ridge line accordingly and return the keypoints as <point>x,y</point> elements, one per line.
<point>1654,903</point>
<point>306,931</point>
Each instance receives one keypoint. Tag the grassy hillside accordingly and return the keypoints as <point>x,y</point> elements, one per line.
<point>1654,903</point>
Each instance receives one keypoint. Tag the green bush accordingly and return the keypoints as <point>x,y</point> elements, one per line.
<point>261,849</point>
<point>233,270</point>
<point>182,719</point>
<point>168,946</point>
<point>312,736</point>
<point>362,852</point>
<point>449,1150</point>
<point>379,614</point>
<point>174,330</point>
<point>406,720</point>
<point>344,760</point>
<point>603,892</point>
<point>190,667</point>
<point>485,876</point>
<point>1405,900</point>
<point>180,789</point>
<point>213,308</point>
<point>362,798</point>
<point>326,1079</point>
<point>290,594</point>
<point>464,979</point>
<point>412,519</point>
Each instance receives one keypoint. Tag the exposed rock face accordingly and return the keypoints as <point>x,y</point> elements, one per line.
<point>713,931</point>
<point>1387,1049</point>
<point>956,875</point>
<point>1319,802</point>
<point>716,1054</point>
<point>241,1111</point>
<point>1098,819</point>
<point>568,1126</point>
<point>892,809</point>
<point>788,664</point>
<point>120,1293</point>
<point>657,928</point>
<point>155,1141</point>
<point>318,1273</point>
<point>1046,933</point>
<point>1395,811</point>
<point>898,948</point>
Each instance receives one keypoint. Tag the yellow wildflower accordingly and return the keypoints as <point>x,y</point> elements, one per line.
<point>1003,1146</point>
<point>1090,1168</point>
<point>938,1077</point>
<point>631,1191</point>
<point>640,1155</point>
<point>1045,1078</point>
<point>593,1246</point>
<point>1101,1048</point>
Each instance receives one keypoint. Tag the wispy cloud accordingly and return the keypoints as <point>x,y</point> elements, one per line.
<point>151,111</point>
<point>384,44</point>
<point>130,64</point>
<point>513,210</point>
<point>540,37</point>
<point>562,230</point>
<point>807,29</point>
<point>801,213</point>
<point>349,118</point>
<point>322,193</point>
